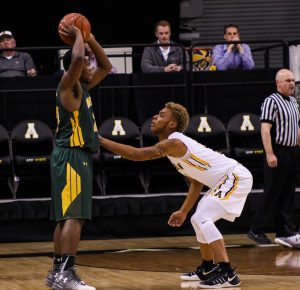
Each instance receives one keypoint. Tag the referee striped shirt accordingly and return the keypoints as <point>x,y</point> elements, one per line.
<point>283,112</point>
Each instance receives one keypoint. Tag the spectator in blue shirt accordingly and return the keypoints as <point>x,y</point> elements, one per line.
<point>232,56</point>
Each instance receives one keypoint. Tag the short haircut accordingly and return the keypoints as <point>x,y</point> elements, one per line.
<point>230,25</point>
<point>67,58</point>
<point>162,23</point>
<point>180,114</point>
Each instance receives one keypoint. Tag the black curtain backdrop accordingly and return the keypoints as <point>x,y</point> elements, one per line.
<point>113,21</point>
<point>34,24</point>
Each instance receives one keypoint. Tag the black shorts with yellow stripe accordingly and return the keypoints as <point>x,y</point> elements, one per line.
<point>71,183</point>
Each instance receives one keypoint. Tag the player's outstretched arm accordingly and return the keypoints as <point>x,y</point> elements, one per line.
<point>159,150</point>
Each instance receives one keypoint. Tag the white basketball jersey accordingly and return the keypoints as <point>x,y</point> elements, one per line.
<point>201,163</point>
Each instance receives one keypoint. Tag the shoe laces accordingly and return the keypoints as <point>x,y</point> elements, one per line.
<point>53,272</point>
<point>221,272</point>
<point>198,270</point>
<point>296,236</point>
<point>216,274</point>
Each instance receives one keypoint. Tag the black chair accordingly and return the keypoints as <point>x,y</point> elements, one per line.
<point>31,144</point>
<point>97,182</point>
<point>245,143</point>
<point>120,175</point>
<point>160,175</point>
<point>209,131</point>
<point>6,170</point>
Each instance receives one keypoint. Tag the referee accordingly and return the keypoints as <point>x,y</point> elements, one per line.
<point>280,135</point>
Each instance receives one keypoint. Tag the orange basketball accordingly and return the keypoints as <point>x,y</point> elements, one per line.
<point>80,21</point>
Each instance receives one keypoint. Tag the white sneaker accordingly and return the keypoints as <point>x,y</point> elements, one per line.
<point>289,242</point>
<point>69,280</point>
<point>189,284</point>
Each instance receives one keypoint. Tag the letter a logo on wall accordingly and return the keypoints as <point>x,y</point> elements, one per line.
<point>203,126</point>
<point>118,129</point>
<point>247,125</point>
<point>31,132</point>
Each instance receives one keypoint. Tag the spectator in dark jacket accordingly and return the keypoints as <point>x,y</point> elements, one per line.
<point>163,58</point>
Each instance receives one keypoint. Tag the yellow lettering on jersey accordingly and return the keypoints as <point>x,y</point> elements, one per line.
<point>31,132</point>
<point>72,188</point>
<point>118,128</point>
<point>233,188</point>
<point>218,194</point>
<point>197,163</point>
<point>89,102</point>
<point>178,166</point>
<point>57,117</point>
<point>76,138</point>
<point>95,124</point>
<point>222,194</point>
<point>247,125</point>
<point>204,126</point>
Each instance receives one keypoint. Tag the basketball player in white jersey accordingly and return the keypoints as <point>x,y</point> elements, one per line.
<point>229,184</point>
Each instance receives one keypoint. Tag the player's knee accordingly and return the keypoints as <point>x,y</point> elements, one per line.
<point>207,228</point>
<point>194,221</point>
<point>197,220</point>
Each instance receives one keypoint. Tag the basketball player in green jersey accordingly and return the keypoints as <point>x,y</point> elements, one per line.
<point>71,162</point>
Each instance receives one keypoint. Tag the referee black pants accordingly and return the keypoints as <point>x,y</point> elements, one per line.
<point>279,192</point>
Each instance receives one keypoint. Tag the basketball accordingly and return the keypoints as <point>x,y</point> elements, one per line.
<point>80,21</point>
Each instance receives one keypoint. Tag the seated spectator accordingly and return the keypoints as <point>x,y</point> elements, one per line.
<point>232,56</point>
<point>14,63</point>
<point>162,58</point>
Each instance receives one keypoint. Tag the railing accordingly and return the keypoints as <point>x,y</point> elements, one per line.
<point>187,82</point>
<point>269,45</point>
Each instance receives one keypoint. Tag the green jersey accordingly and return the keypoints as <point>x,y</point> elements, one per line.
<point>78,128</point>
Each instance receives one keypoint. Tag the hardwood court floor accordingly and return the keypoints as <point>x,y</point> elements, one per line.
<point>149,263</point>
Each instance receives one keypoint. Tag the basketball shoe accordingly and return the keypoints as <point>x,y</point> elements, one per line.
<point>52,274</point>
<point>69,280</point>
<point>260,238</point>
<point>221,279</point>
<point>199,274</point>
<point>290,238</point>
<point>289,242</point>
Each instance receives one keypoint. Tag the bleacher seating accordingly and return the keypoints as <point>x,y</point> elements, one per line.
<point>138,97</point>
<point>6,169</point>
<point>120,175</point>
<point>243,131</point>
<point>31,144</point>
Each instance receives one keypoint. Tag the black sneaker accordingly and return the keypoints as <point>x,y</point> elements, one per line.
<point>260,238</point>
<point>198,274</point>
<point>221,279</point>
